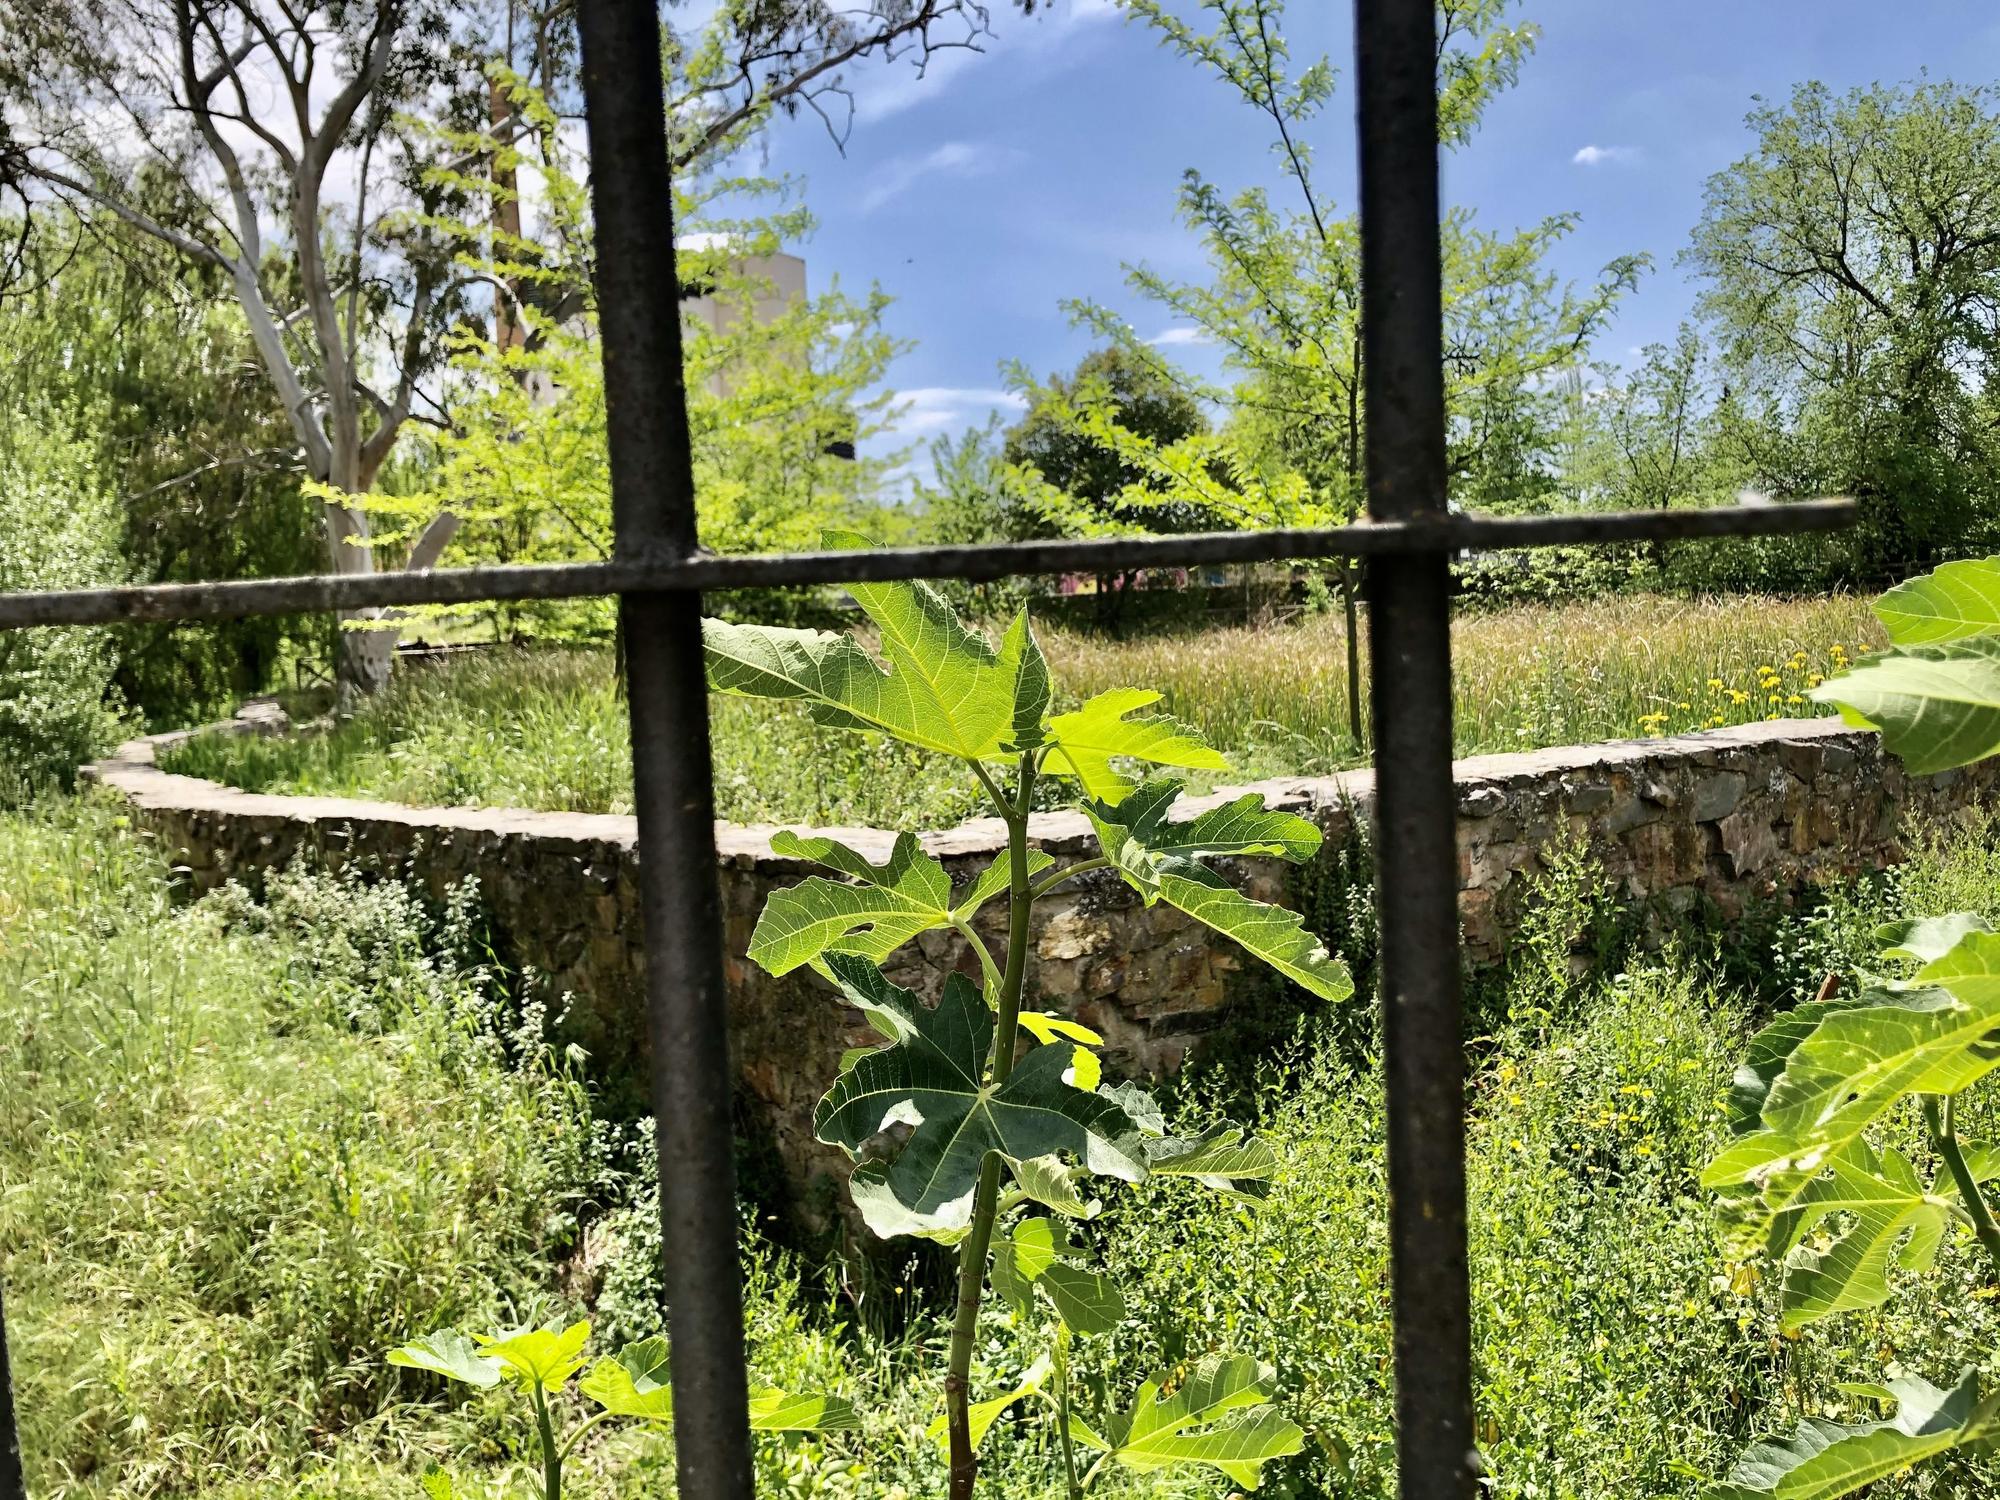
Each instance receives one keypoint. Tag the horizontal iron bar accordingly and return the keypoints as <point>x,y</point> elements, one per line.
<point>347,591</point>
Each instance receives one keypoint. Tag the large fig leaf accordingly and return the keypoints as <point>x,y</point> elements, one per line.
<point>1954,603</point>
<point>1218,1417</point>
<point>996,702</point>
<point>1858,1060</point>
<point>947,690</point>
<point>635,1382</point>
<point>1927,939</point>
<point>1083,743</point>
<point>1937,706</point>
<point>874,913</point>
<point>451,1354</point>
<point>1880,1215</point>
<point>934,1078</point>
<point>1822,1460</point>
<point>887,1218</point>
<point>1157,859</point>
<point>781,1411</point>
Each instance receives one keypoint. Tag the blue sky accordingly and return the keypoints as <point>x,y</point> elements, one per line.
<point>984,193</point>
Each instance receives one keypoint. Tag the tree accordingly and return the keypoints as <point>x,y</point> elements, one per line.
<point>1094,477</point>
<point>1146,403</point>
<point>294,163</point>
<point>1853,269</point>
<point>779,391</point>
<point>1283,304</point>
<point>119,343</point>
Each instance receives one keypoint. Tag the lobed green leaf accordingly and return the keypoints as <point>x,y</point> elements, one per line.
<point>933,1078</point>
<point>540,1356</point>
<point>1954,603</point>
<point>873,914</point>
<point>1822,1460</point>
<point>1936,706</point>
<point>1157,858</point>
<point>635,1382</point>
<point>451,1354</point>
<point>1084,743</point>
<point>1217,1418</point>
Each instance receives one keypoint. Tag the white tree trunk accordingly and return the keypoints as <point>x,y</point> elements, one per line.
<point>367,646</point>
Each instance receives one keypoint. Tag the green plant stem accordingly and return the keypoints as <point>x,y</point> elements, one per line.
<point>552,1459</point>
<point>1062,1412</point>
<point>570,1442</point>
<point>1939,1118</point>
<point>1081,867</point>
<point>989,969</point>
<point>985,1202</point>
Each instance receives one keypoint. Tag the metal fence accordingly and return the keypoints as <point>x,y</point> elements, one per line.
<point>658,572</point>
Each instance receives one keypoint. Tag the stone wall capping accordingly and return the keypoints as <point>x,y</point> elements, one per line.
<point>1710,821</point>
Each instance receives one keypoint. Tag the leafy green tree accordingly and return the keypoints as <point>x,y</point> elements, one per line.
<point>1093,477</point>
<point>1144,401</point>
<point>132,351</point>
<point>778,393</point>
<point>1283,305</point>
<point>1657,426</point>
<point>978,1122</point>
<point>304,166</point>
<point>1853,269</point>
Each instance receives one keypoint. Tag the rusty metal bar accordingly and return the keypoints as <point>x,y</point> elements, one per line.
<point>1381,537</point>
<point>12,1487</point>
<point>1416,845</point>
<point>653,520</point>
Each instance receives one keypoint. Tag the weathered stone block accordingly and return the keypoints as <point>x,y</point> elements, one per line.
<point>1716,795</point>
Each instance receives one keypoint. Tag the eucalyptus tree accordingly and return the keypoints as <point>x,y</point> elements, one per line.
<point>1282,301</point>
<point>293,146</point>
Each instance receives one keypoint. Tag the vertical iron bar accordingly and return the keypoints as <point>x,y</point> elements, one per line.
<point>1410,658</point>
<point>12,1486</point>
<point>652,486</point>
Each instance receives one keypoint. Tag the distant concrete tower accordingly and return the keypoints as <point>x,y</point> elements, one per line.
<point>782,279</point>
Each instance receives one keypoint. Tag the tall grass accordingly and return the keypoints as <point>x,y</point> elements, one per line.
<point>1523,678</point>
<point>244,1147</point>
<point>547,729</point>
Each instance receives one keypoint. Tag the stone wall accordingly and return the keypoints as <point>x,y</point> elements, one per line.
<point>1717,819</point>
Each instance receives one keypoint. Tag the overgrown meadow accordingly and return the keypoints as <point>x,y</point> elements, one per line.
<point>253,1143</point>
<point>547,729</point>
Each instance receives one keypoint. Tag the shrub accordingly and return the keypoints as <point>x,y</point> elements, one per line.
<point>61,529</point>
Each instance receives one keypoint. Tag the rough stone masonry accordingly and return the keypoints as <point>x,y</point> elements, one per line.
<point>1721,818</point>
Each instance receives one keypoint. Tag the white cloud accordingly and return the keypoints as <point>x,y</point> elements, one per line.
<point>1179,334</point>
<point>938,408</point>
<point>952,159</point>
<point>1598,156</point>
